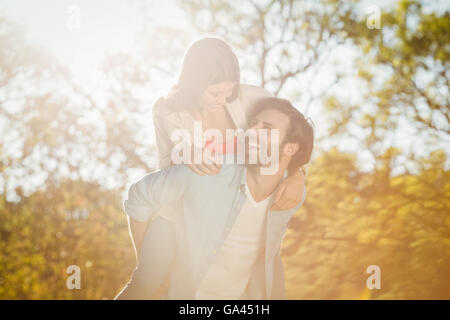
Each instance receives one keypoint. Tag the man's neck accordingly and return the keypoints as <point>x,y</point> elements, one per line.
<point>261,186</point>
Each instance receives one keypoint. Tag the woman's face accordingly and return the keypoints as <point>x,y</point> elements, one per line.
<point>215,96</point>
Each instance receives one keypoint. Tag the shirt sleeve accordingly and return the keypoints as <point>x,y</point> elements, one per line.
<point>162,188</point>
<point>163,142</point>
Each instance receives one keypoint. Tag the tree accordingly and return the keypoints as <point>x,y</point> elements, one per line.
<point>73,223</point>
<point>277,41</point>
<point>102,136</point>
<point>405,67</point>
<point>78,142</point>
<point>353,219</point>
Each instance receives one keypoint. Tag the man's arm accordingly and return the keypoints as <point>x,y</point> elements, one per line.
<point>290,192</point>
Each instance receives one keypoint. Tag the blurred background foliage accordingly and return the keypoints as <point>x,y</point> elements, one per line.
<point>374,196</point>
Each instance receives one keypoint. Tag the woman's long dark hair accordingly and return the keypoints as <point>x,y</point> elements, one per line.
<point>207,61</point>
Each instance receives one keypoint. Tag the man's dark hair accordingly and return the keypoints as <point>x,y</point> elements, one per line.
<point>300,129</point>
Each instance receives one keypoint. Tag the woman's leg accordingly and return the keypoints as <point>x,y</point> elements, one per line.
<point>150,278</point>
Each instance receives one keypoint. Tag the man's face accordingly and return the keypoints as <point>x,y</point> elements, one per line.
<point>268,120</point>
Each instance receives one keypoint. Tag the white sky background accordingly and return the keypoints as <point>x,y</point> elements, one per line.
<point>108,26</point>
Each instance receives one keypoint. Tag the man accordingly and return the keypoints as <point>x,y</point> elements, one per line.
<point>227,240</point>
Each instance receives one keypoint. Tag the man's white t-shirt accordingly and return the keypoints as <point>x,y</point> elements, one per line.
<point>228,274</point>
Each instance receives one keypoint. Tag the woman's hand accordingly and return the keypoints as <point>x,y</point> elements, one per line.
<point>209,167</point>
<point>289,193</point>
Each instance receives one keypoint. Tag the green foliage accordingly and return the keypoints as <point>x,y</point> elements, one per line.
<point>75,223</point>
<point>407,68</point>
<point>352,219</point>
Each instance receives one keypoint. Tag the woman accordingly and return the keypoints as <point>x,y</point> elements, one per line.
<point>208,90</point>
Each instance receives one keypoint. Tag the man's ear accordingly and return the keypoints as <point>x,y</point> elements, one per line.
<point>290,149</point>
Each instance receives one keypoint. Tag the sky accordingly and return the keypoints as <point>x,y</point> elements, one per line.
<point>105,26</point>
